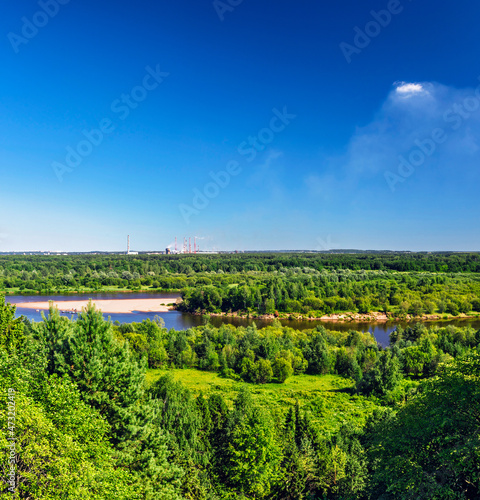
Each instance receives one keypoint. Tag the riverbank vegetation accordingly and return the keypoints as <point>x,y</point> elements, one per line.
<point>396,285</point>
<point>136,411</point>
<point>276,353</point>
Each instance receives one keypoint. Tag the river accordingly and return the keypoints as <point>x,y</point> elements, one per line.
<point>181,321</point>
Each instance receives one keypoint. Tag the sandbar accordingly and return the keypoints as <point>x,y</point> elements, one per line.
<point>122,306</point>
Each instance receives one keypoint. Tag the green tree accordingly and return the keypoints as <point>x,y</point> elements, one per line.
<point>282,369</point>
<point>347,364</point>
<point>187,425</point>
<point>104,369</point>
<point>413,360</point>
<point>299,465</point>
<point>253,452</point>
<point>263,371</point>
<point>317,355</point>
<point>11,329</point>
<point>383,376</point>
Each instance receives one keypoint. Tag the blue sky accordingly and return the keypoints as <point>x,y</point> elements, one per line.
<point>264,125</point>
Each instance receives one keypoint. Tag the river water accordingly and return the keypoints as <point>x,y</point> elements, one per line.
<point>181,321</point>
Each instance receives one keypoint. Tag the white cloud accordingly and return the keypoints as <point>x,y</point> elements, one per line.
<point>409,89</point>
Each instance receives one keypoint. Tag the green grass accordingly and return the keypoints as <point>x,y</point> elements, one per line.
<point>322,395</point>
<point>198,380</point>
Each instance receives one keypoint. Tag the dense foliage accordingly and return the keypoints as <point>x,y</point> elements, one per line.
<point>276,352</point>
<point>431,447</point>
<point>316,293</point>
<point>87,425</point>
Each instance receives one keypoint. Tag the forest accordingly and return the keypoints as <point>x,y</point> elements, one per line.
<point>283,284</point>
<point>136,411</point>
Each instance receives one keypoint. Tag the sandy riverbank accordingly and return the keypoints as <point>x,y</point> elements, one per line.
<point>122,306</point>
<point>372,317</point>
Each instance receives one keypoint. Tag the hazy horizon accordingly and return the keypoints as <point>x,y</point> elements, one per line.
<point>249,250</point>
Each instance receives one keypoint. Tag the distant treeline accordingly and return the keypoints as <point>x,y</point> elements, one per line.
<point>307,284</point>
<point>103,268</point>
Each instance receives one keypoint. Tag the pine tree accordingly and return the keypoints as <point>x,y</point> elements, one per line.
<point>317,355</point>
<point>105,370</point>
<point>180,416</point>
<point>12,336</point>
<point>253,453</point>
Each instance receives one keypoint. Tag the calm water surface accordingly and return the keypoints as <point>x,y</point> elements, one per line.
<point>182,321</point>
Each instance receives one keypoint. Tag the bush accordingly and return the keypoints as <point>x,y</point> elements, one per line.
<point>263,371</point>
<point>452,308</point>
<point>282,369</point>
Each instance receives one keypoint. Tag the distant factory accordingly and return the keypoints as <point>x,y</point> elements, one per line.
<point>176,248</point>
<point>186,248</point>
